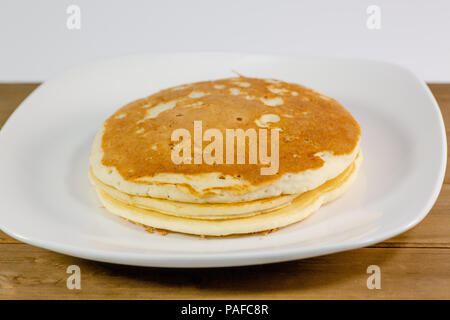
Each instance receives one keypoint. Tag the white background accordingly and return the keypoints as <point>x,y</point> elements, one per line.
<point>35,42</point>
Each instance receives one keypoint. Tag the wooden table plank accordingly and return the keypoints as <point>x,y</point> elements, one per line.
<point>407,273</point>
<point>415,264</point>
<point>11,95</point>
<point>6,239</point>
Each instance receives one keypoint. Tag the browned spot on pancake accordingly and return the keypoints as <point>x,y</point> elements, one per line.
<point>314,125</point>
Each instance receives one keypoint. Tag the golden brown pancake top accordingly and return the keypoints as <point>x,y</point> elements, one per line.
<point>310,123</point>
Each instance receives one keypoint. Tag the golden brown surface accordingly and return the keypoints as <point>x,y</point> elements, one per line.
<point>414,265</point>
<point>310,123</point>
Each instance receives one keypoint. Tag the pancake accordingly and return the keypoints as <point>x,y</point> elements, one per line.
<point>301,207</point>
<point>318,139</point>
<point>195,210</point>
<point>277,152</point>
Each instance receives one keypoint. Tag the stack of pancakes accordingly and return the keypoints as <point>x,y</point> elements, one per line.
<point>134,175</point>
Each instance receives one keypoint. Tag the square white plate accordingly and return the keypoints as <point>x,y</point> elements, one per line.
<point>47,201</point>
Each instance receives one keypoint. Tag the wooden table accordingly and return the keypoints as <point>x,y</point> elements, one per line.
<point>415,264</point>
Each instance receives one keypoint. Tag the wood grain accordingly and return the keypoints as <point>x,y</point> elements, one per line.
<point>415,264</point>
<point>11,95</point>
<point>406,273</point>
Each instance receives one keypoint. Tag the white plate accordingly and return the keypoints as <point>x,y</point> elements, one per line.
<point>47,201</point>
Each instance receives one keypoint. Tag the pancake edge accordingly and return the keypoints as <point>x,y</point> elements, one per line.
<point>258,223</point>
